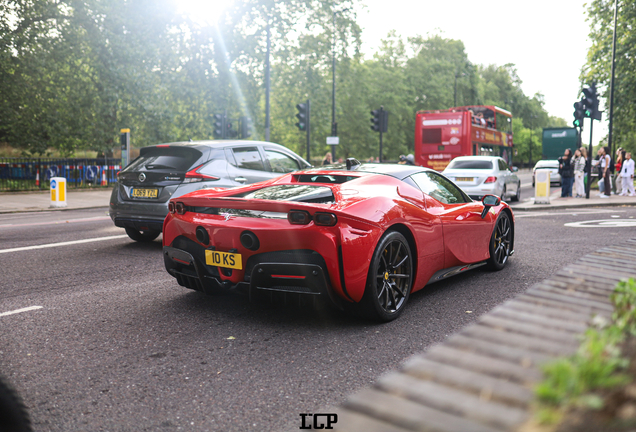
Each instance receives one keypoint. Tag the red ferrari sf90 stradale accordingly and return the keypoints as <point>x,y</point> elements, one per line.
<point>362,234</point>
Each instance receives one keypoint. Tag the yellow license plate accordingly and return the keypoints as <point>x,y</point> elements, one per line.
<point>144,193</point>
<point>466,179</point>
<point>224,259</point>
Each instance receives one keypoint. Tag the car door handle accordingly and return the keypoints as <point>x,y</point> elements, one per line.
<point>240,179</point>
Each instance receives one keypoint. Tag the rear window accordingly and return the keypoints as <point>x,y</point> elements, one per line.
<point>470,164</point>
<point>323,178</point>
<point>298,193</point>
<point>431,136</point>
<point>550,164</point>
<point>172,158</point>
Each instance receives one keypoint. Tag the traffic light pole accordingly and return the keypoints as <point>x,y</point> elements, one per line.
<point>308,131</point>
<point>381,120</point>
<point>589,163</point>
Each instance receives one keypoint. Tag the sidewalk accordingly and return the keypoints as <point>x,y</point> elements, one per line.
<point>556,202</point>
<point>15,202</point>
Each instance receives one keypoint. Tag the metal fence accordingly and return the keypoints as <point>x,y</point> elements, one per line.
<point>23,174</point>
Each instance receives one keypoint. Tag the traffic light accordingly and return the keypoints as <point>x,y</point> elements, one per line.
<point>376,120</point>
<point>246,126</point>
<point>380,120</point>
<point>579,114</point>
<point>302,116</point>
<point>219,128</point>
<point>591,102</point>
<point>229,132</point>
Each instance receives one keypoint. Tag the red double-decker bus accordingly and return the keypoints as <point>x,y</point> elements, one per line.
<point>442,135</point>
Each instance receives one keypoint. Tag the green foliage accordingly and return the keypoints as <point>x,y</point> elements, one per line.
<point>74,72</point>
<point>624,299</point>
<point>597,364</point>
<point>600,15</point>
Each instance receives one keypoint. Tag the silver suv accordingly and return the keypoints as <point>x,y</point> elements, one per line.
<point>139,202</point>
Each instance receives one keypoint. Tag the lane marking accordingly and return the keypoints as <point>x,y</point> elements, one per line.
<point>572,213</point>
<point>603,223</point>
<point>17,311</point>
<point>97,218</point>
<point>50,245</point>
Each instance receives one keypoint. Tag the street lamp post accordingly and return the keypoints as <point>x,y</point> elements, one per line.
<point>334,125</point>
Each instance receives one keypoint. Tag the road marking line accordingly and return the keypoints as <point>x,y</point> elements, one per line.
<point>56,222</point>
<point>572,213</point>
<point>17,311</point>
<point>50,245</point>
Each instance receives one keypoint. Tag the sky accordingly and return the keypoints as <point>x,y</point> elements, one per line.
<point>546,40</point>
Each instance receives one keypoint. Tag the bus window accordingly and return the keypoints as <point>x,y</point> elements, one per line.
<point>504,123</point>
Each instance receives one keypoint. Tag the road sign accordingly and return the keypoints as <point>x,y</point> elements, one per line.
<point>333,140</point>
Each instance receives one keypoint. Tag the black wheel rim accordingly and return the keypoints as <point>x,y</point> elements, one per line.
<point>502,240</point>
<point>393,276</point>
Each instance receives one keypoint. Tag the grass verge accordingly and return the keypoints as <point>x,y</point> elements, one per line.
<point>584,380</point>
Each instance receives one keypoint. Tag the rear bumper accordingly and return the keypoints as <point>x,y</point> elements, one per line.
<point>270,272</point>
<point>139,224</point>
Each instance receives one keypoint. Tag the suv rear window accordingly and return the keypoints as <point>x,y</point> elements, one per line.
<point>470,164</point>
<point>171,158</point>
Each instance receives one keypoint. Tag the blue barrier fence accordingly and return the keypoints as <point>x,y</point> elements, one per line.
<point>20,174</point>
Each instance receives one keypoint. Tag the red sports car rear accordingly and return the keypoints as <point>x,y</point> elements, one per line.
<point>366,236</point>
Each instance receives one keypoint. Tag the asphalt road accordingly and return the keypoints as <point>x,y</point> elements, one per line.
<point>117,345</point>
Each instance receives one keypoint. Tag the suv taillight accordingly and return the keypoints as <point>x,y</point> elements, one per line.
<point>194,176</point>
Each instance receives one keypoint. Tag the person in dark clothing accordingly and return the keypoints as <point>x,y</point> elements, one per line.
<point>566,169</point>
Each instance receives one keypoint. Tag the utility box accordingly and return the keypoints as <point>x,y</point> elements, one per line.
<point>58,192</point>
<point>542,186</point>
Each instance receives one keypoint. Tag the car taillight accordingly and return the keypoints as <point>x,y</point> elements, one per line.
<point>118,174</point>
<point>298,217</point>
<point>491,179</point>
<point>171,208</point>
<point>325,219</point>
<point>193,176</point>
<point>179,208</point>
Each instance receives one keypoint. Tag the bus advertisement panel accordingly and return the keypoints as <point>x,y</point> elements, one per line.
<point>441,136</point>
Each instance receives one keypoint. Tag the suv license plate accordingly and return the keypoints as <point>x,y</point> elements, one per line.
<point>144,193</point>
<point>223,259</point>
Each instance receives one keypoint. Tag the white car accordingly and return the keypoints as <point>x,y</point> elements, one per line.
<point>484,175</point>
<point>553,166</point>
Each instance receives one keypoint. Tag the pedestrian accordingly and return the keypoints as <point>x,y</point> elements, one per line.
<point>579,173</point>
<point>620,156</point>
<point>627,174</point>
<point>604,172</point>
<point>566,170</point>
<point>327,159</point>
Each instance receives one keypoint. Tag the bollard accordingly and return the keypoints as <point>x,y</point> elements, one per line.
<point>58,192</point>
<point>542,186</point>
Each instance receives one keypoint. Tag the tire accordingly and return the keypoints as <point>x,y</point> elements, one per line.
<point>503,193</point>
<point>500,242</point>
<point>389,279</point>
<point>142,236</point>
<point>517,196</point>
<point>13,414</point>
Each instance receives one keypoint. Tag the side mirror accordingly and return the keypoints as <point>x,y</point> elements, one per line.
<point>489,201</point>
<point>515,169</point>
